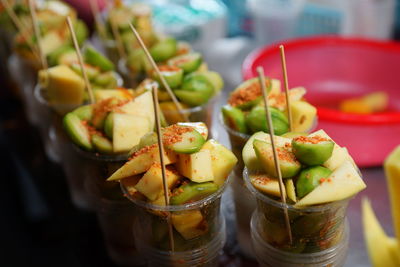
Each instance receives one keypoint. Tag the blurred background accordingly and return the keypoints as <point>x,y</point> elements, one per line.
<point>41,227</point>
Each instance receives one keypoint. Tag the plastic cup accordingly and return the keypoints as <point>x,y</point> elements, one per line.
<point>319,232</point>
<point>24,73</point>
<point>130,79</point>
<point>152,238</point>
<point>80,166</point>
<point>115,214</point>
<point>244,201</point>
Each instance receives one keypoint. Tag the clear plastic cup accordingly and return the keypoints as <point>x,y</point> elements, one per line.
<point>203,249</point>
<point>79,165</point>
<point>115,214</point>
<point>244,201</point>
<point>315,229</point>
<point>24,73</point>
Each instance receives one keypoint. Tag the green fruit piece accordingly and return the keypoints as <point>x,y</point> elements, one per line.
<point>91,72</point>
<point>192,99</point>
<point>109,125</point>
<point>201,127</point>
<point>214,78</point>
<point>256,120</point>
<point>314,150</point>
<point>53,57</point>
<point>68,58</point>
<point>288,164</point>
<point>106,80</point>
<point>248,94</point>
<point>81,31</point>
<point>292,135</point>
<point>188,62</point>
<point>135,60</point>
<point>77,131</point>
<point>310,178</point>
<point>234,118</point>
<point>93,57</point>
<point>172,75</point>
<point>191,192</point>
<point>121,17</point>
<point>84,113</point>
<point>102,144</point>
<point>163,50</point>
<point>183,139</point>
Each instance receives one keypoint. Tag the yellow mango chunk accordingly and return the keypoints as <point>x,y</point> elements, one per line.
<point>189,224</point>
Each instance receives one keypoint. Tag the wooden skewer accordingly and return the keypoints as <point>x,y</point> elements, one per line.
<point>162,79</point>
<point>94,6</point>
<point>37,34</point>
<point>286,83</point>
<point>21,28</point>
<point>118,39</point>
<point>163,172</point>
<point>80,59</point>
<point>261,78</point>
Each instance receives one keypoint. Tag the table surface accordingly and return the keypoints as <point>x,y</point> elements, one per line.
<point>42,226</point>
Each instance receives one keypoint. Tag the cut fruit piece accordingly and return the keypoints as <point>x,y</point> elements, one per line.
<point>214,78</point>
<point>310,178</point>
<point>222,161</point>
<point>392,171</point>
<point>53,57</point>
<point>249,155</point>
<point>188,62</point>
<point>120,93</point>
<point>182,139</point>
<point>146,140</point>
<point>343,183</point>
<point>256,120</point>
<point>288,164</point>
<point>102,144</point>
<point>197,166</point>
<point>291,190</point>
<point>93,57</point>
<point>292,135</point>
<point>303,116</point>
<point>127,131</point>
<point>63,86</point>
<point>266,184</point>
<point>248,94</point>
<point>383,251</point>
<point>81,31</point>
<point>141,161</point>
<point>109,125</point>
<point>314,150</point>
<point>191,192</point>
<point>201,127</point>
<point>171,113</point>
<point>129,184</point>
<point>190,224</point>
<point>339,155</point>
<point>172,75</point>
<point>106,80</point>
<point>77,131</point>
<point>50,42</point>
<point>192,98</point>
<point>141,106</point>
<point>163,50</point>
<point>234,118</point>
<point>91,71</point>
<point>101,110</point>
<point>151,184</point>
<point>84,113</point>
<point>68,58</point>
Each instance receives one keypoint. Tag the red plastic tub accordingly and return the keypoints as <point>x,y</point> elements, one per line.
<point>335,68</point>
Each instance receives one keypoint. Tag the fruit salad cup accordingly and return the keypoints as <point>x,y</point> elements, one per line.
<point>196,174</point>
<point>61,89</point>
<point>243,115</point>
<point>102,135</point>
<point>319,179</point>
<point>195,87</point>
<point>139,14</point>
<point>55,39</point>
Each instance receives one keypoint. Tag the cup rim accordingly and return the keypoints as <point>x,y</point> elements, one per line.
<point>278,204</point>
<point>184,207</point>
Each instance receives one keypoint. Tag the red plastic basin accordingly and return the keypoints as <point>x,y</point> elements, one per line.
<point>335,68</point>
